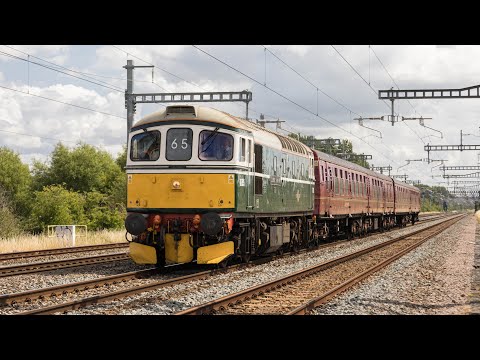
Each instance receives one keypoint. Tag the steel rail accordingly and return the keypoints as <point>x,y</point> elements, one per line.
<point>309,306</point>
<point>239,297</point>
<point>59,264</point>
<point>73,305</point>
<point>57,251</point>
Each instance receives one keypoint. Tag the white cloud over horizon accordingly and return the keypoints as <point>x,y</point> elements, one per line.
<point>411,66</point>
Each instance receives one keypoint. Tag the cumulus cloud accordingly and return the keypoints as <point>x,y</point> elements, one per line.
<point>334,91</point>
<point>55,53</point>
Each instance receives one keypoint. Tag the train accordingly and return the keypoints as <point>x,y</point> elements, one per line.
<point>208,187</point>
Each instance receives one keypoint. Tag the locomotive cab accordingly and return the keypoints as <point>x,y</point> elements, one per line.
<point>184,172</point>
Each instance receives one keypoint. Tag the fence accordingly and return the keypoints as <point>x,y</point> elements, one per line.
<point>67,232</point>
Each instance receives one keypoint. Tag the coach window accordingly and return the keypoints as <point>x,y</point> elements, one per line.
<point>322,177</point>
<point>293,169</point>
<point>145,146</point>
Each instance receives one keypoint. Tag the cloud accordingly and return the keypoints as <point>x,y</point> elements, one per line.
<point>334,91</point>
<point>58,54</point>
<point>300,50</point>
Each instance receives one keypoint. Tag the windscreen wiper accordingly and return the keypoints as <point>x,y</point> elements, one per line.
<point>212,136</point>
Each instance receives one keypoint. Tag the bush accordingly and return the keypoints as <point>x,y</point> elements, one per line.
<point>9,223</point>
<point>55,205</point>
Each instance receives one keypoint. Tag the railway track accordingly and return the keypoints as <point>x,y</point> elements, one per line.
<point>300,292</point>
<point>58,251</point>
<point>54,291</point>
<point>59,264</point>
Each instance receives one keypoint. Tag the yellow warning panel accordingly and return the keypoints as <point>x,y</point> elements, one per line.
<point>142,254</point>
<point>213,254</point>
<point>196,190</point>
<point>178,251</point>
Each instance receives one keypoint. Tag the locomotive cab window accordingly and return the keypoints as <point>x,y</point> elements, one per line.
<point>215,146</point>
<point>179,144</point>
<point>145,146</point>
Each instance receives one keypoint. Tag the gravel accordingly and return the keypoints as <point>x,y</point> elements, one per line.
<point>433,279</point>
<point>18,283</point>
<point>179,297</point>
<point>67,256</point>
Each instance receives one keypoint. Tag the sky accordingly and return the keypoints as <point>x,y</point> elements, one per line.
<point>292,83</point>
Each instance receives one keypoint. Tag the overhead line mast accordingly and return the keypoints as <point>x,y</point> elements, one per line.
<point>465,93</point>
<point>132,99</point>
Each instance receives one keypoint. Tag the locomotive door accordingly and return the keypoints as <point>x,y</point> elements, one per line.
<point>250,174</point>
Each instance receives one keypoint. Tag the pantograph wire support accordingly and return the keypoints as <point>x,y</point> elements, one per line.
<point>360,122</point>
<point>408,163</point>
<point>422,123</point>
<point>441,163</point>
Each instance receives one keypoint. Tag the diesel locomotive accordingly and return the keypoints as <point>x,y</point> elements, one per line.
<point>205,186</point>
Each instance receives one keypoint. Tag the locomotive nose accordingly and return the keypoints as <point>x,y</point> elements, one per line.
<point>211,223</point>
<point>135,224</point>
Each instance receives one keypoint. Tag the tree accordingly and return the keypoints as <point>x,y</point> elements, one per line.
<point>55,205</point>
<point>9,223</point>
<point>102,212</point>
<point>15,177</point>
<point>332,147</point>
<point>121,159</point>
<point>83,169</point>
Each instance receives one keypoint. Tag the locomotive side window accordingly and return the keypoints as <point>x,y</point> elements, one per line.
<point>249,151</point>
<point>274,165</point>
<point>145,146</point>
<point>241,154</point>
<point>215,146</point>
<point>293,169</point>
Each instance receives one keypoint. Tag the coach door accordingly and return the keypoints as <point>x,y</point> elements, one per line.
<point>330,190</point>
<point>369,197</point>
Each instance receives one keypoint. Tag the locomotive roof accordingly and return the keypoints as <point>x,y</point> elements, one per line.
<point>349,165</point>
<point>261,134</point>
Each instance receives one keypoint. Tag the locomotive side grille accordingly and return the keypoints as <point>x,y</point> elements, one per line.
<point>291,144</point>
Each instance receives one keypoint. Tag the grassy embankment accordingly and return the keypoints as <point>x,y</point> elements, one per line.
<point>41,242</point>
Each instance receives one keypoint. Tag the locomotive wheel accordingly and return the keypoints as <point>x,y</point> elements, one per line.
<point>351,232</point>
<point>246,258</point>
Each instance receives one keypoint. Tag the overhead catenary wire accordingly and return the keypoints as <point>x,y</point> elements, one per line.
<point>252,109</point>
<point>62,102</point>
<point>375,91</point>
<point>88,74</point>
<point>63,72</point>
<point>36,136</point>
<point>311,83</point>
<point>316,87</point>
<point>393,80</point>
<point>290,100</point>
